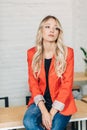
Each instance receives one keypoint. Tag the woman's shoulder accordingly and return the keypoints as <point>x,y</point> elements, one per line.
<point>70,52</point>
<point>31,51</point>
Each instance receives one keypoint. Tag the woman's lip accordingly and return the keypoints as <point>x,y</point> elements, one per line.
<point>51,35</point>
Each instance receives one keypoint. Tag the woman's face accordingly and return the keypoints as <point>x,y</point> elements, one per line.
<point>50,31</point>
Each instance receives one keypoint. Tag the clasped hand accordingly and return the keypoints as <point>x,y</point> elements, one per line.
<point>47,118</point>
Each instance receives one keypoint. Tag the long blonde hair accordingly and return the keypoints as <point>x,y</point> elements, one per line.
<point>60,51</point>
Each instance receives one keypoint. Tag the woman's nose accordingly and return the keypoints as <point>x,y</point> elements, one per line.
<point>52,30</point>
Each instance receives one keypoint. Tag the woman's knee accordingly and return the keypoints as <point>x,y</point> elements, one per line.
<point>60,122</point>
<point>28,122</point>
<point>32,117</point>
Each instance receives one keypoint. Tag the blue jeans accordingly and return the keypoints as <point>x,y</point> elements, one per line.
<point>32,119</point>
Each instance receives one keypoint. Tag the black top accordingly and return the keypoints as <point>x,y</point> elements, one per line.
<point>47,92</point>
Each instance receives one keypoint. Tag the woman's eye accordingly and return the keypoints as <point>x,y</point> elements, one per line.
<point>47,26</point>
<point>56,28</point>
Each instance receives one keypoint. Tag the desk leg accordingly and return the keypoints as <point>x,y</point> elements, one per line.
<point>83,125</point>
<point>79,125</point>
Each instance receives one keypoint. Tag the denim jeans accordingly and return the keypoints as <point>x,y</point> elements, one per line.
<point>32,119</point>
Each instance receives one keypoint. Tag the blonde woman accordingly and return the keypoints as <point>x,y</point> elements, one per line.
<point>50,69</point>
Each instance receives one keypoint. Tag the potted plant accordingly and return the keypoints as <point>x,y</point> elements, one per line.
<point>85,58</point>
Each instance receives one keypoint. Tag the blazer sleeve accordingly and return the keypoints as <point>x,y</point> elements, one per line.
<point>32,81</point>
<point>66,83</point>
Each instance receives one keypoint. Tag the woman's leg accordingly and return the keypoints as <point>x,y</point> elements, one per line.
<point>32,118</point>
<point>60,122</point>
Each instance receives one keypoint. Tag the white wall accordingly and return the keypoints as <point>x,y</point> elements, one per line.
<point>79,11</point>
<point>19,20</point>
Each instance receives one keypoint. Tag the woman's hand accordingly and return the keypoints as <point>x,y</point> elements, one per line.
<point>46,117</point>
<point>46,120</point>
<point>53,111</point>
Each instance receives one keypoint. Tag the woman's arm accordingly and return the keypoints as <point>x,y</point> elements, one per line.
<point>66,83</point>
<point>32,81</point>
<point>46,117</point>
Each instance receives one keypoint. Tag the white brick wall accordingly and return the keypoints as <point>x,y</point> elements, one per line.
<point>79,31</point>
<point>19,20</point>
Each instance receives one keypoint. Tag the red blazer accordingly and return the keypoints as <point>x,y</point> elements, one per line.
<point>60,88</point>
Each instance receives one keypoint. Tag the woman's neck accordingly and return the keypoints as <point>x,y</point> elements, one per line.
<point>49,50</point>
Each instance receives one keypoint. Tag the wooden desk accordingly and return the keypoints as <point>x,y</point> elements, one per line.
<point>81,113</point>
<point>84,99</point>
<point>80,76</point>
<point>12,117</point>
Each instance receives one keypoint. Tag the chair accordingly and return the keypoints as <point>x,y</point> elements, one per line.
<point>27,99</point>
<point>5,100</point>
